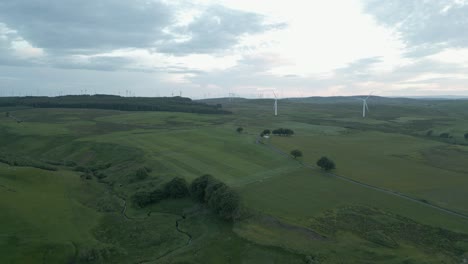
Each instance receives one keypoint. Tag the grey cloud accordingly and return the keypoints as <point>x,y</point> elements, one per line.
<point>426,25</point>
<point>86,25</point>
<point>217,28</point>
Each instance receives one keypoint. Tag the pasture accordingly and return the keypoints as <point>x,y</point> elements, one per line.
<point>291,213</point>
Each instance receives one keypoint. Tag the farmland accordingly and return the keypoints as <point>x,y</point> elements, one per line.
<point>67,177</point>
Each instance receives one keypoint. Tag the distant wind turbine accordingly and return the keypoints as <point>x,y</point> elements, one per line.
<point>276,104</point>
<point>364,105</point>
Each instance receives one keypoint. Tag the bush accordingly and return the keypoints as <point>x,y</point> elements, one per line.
<point>176,188</point>
<point>326,163</point>
<point>198,187</point>
<point>239,130</point>
<point>429,133</point>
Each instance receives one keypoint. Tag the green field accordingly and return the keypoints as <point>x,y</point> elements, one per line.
<point>292,213</point>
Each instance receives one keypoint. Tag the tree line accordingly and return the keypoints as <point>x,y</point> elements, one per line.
<point>216,195</point>
<point>112,102</point>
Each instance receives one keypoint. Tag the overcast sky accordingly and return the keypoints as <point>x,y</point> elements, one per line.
<point>210,48</point>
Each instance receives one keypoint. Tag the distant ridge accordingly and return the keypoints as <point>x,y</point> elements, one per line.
<point>114,102</point>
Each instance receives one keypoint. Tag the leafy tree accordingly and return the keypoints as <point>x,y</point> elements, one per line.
<point>176,188</point>
<point>225,202</point>
<point>326,163</point>
<point>198,187</point>
<point>466,136</point>
<point>266,132</point>
<point>239,130</point>
<point>296,153</point>
<point>211,188</point>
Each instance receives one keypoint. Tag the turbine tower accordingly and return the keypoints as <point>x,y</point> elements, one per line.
<point>364,106</point>
<point>276,104</point>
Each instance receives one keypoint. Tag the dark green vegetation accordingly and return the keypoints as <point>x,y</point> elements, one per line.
<point>106,186</point>
<point>326,163</point>
<point>296,153</point>
<point>167,104</point>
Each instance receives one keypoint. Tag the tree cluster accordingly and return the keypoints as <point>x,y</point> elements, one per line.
<point>175,188</point>
<point>265,132</point>
<point>326,163</point>
<point>283,132</point>
<point>219,197</point>
<point>168,104</point>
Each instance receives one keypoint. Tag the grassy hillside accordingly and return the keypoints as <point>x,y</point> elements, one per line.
<point>80,210</point>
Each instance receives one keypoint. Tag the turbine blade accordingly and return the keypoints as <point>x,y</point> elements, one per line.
<point>367,107</point>
<point>274,94</point>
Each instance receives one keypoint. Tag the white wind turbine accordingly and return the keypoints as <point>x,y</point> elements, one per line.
<point>276,104</point>
<point>364,105</point>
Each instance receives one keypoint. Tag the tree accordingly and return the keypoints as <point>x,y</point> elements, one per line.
<point>225,202</point>
<point>266,132</point>
<point>176,188</point>
<point>326,163</point>
<point>239,130</point>
<point>296,153</point>
<point>466,136</point>
<point>198,187</point>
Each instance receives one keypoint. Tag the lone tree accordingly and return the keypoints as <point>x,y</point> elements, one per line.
<point>466,136</point>
<point>239,130</point>
<point>326,163</point>
<point>296,153</point>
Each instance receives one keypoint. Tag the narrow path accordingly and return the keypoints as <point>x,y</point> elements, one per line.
<point>376,188</point>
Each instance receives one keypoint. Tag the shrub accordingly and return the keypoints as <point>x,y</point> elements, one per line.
<point>239,130</point>
<point>429,133</point>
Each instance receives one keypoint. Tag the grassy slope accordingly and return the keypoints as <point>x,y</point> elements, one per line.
<point>189,145</point>
<point>41,219</point>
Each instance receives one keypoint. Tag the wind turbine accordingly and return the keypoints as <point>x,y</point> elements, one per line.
<point>276,104</point>
<point>364,105</point>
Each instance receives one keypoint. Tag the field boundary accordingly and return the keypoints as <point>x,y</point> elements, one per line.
<point>376,188</point>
